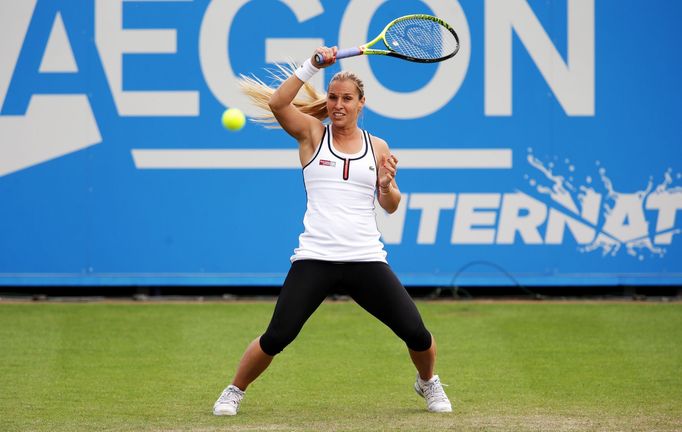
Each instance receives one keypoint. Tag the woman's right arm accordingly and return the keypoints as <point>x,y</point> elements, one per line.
<point>306,129</point>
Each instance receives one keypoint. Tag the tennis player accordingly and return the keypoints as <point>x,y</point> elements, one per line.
<point>344,167</point>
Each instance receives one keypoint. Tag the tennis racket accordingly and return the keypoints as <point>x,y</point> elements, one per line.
<point>417,38</point>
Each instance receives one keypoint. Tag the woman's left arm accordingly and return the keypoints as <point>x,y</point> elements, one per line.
<point>388,192</point>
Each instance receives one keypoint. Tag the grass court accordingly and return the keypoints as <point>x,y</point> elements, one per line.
<point>510,366</point>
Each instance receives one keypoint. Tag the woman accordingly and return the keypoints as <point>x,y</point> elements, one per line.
<point>343,168</point>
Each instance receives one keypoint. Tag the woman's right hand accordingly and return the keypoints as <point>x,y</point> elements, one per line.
<point>327,54</point>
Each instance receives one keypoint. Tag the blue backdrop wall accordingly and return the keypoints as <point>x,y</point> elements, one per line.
<point>547,152</point>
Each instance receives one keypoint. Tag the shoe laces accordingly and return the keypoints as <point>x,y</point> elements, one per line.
<point>434,391</point>
<point>231,395</point>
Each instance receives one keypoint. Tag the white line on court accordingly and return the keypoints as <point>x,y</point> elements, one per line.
<point>288,159</point>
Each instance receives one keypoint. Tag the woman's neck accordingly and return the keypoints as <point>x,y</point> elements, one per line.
<point>347,139</point>
<point>346,133</point>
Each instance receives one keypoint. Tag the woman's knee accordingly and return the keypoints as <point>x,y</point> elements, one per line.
<point>419,339</point>
<point>273,343</point>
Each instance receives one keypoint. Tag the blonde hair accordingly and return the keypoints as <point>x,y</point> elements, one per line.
<point>309,101</point>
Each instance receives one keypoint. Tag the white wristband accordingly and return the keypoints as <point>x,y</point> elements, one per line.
<point>306,71</point>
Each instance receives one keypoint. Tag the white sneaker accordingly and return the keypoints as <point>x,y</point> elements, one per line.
<point>432,391</point>
<point>228,402</point>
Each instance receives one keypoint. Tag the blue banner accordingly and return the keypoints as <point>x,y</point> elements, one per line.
<point>546,152</point>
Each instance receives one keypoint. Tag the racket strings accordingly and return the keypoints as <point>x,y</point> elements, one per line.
<point>421,38</point>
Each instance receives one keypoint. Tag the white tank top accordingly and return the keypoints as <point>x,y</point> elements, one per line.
<point>339,221</point>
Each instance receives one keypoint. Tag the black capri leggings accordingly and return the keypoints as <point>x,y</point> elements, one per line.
<point>373,285</point>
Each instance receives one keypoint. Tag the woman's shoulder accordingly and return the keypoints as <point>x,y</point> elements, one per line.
<point>377,141</point>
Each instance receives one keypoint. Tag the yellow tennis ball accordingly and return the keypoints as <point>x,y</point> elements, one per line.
<point>233,119</point>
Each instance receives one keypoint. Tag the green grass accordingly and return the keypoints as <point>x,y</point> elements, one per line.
<point>511,367</point>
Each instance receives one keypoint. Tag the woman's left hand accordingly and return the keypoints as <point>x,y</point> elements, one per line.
<point>387,172</point>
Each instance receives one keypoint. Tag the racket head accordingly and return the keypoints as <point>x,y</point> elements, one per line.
<point>419,38</point>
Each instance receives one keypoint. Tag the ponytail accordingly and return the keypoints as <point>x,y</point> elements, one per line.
<point>309,102</point>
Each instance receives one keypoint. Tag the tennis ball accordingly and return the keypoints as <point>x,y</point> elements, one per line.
<point>233,119</point>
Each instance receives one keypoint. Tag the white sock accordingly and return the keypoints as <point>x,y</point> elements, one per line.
<point>422,382</point>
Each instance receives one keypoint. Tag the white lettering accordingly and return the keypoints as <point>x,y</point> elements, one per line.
<point>476,219</point>
<point>512,221</point>
<point>58,56</point>
<point>557,223</point>
<point>214,42</point>
<point>287,50</point>
<point>582,232</point>
<point>53,125</point>
<point>468,215</point>
<point>667,204</point>
<point>14,22</point>
<point>430,206</point>
<point>572,83</point>
<point>590,202</point>
<point>113,41</point>
<point>626,221</point>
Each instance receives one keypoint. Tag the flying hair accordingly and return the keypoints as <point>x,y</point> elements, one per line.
<point>309,100</point>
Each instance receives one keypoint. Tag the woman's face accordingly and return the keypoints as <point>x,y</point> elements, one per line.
<point>344,103</point>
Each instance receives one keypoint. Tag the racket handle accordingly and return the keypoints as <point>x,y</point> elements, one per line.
<point>348,52</point>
